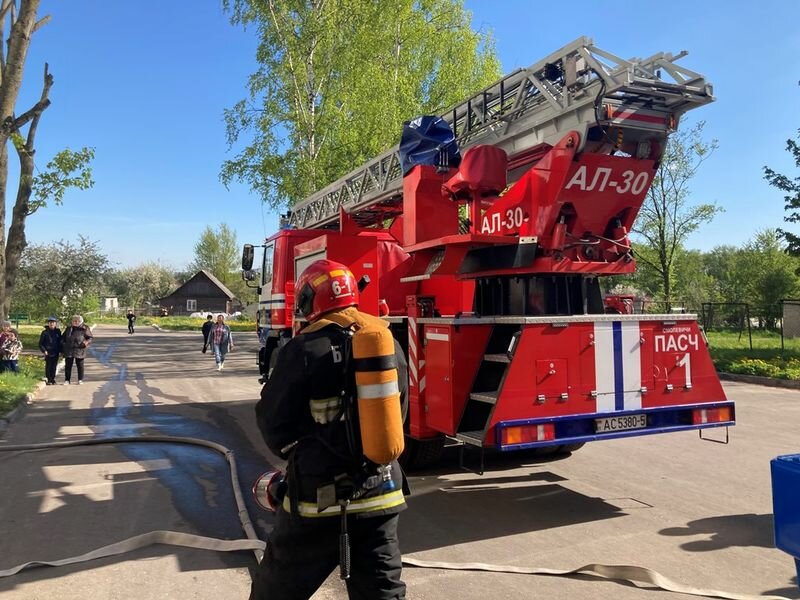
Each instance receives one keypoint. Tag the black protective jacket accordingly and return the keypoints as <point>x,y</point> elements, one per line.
<point>308,376</point>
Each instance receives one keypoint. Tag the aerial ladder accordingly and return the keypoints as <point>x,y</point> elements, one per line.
<point>488,270</point>
<point>579,87</point>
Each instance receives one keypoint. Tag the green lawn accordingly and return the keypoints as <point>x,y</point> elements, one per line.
<point>15,386</point>
<point>188,324</point>
<point>731,353</point>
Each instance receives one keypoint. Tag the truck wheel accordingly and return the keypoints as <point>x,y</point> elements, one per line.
<point>419,454</point>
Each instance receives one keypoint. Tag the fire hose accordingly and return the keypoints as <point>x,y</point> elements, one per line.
<point>626,573</point>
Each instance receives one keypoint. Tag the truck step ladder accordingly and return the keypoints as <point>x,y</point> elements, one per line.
<point>577,87</point>
<point>487,385</point>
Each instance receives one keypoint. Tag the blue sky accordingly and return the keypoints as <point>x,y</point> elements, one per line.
<point>145,84</point>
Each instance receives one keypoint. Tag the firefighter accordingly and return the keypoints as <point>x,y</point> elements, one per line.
<point>336,505</point>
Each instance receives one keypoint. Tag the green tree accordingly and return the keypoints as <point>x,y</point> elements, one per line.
<point>67,169</point>
<point>145,283</point>
<point>769,275</point>
<point>667,218</point>
<point>725,265</point>
<point>694,285</point>
<point>61,278</point>
<point>336,80</point>
<point>218,252</point>
<point>792,198</point>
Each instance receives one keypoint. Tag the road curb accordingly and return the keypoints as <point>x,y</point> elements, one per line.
<point>20,409</point>
<point>759,380</point>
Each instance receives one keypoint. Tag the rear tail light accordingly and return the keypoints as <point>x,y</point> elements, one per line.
<point>523,434</point>
<point>712,415</point>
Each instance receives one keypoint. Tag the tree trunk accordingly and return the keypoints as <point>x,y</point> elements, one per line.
<point>3,184</point>
<point>18,42</point>
<point>666,280</point>
<point>16,234</point>
<point>13,67</point>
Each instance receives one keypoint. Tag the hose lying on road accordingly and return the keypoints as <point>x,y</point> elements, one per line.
<point>631,574</point>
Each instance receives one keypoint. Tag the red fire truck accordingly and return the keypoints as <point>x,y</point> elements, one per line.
<point>489,271</point>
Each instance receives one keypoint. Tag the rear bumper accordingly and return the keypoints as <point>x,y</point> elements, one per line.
<point>574,429</point>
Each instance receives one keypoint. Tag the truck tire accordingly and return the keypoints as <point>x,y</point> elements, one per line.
<point>419,454</point>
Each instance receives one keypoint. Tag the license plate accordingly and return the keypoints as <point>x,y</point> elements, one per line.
<point>622,423</point>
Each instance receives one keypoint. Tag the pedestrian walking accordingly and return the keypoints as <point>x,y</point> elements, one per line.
<point>10,349</point>
<point>206,330</point>
<point>338,481</point>
<point>50,347</point>
<point>221,340</point>
<point>131,320</point>
<point>76,339</point>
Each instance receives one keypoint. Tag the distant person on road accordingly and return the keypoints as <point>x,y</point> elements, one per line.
<point>10,349</point>
<point>207,330</point>
<point>221,341</point>
<point>50,346</point>
<point>75,341</point>
<point>131,320</point>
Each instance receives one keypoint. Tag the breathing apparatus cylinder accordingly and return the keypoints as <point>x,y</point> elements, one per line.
<point>379,413</point>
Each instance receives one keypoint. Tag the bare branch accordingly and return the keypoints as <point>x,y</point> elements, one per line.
<point>41,23</point>
<point>43,103</point>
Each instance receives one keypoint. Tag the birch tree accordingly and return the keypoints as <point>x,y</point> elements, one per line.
<point>336,80</point>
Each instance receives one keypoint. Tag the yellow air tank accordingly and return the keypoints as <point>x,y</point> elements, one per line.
<point>379,413</point>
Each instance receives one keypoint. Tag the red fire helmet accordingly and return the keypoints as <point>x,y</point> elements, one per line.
<point>324,286</point>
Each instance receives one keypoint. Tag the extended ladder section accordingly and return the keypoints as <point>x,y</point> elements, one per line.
<point>576,88</point>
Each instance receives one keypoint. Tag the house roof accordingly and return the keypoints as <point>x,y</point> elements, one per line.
<point>221,286</point>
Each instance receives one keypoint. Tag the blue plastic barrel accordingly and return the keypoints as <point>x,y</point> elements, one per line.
<point>786,504</point>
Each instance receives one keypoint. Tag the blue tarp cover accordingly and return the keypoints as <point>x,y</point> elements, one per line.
<point>423,139</point>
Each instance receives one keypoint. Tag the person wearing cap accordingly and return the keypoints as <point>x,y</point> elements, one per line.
<point>50,346</point>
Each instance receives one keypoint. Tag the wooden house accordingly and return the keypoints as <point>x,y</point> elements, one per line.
<point>202,293</point>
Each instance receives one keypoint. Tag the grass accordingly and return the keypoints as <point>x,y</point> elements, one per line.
<point>189,324</point>
<point>15,386</point>
<point>731,353</point>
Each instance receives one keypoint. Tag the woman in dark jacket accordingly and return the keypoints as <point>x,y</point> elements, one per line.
<point>76,339</point>
<point>50,345</point>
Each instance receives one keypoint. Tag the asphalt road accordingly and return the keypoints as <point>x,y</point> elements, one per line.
<point>696,511</point>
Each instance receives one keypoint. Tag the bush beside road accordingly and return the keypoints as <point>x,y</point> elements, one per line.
<point>731,353</point>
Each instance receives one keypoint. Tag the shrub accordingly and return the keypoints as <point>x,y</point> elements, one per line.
<point>755,366</point>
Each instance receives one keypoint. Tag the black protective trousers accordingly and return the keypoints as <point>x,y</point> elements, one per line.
<point>302,552</point>
<point>50,366</point>
<point>68,360</point>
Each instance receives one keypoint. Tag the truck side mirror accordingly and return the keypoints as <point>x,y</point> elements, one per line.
<point>247,257</point>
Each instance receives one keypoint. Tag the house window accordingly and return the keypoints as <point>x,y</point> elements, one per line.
<point>191,305</point>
